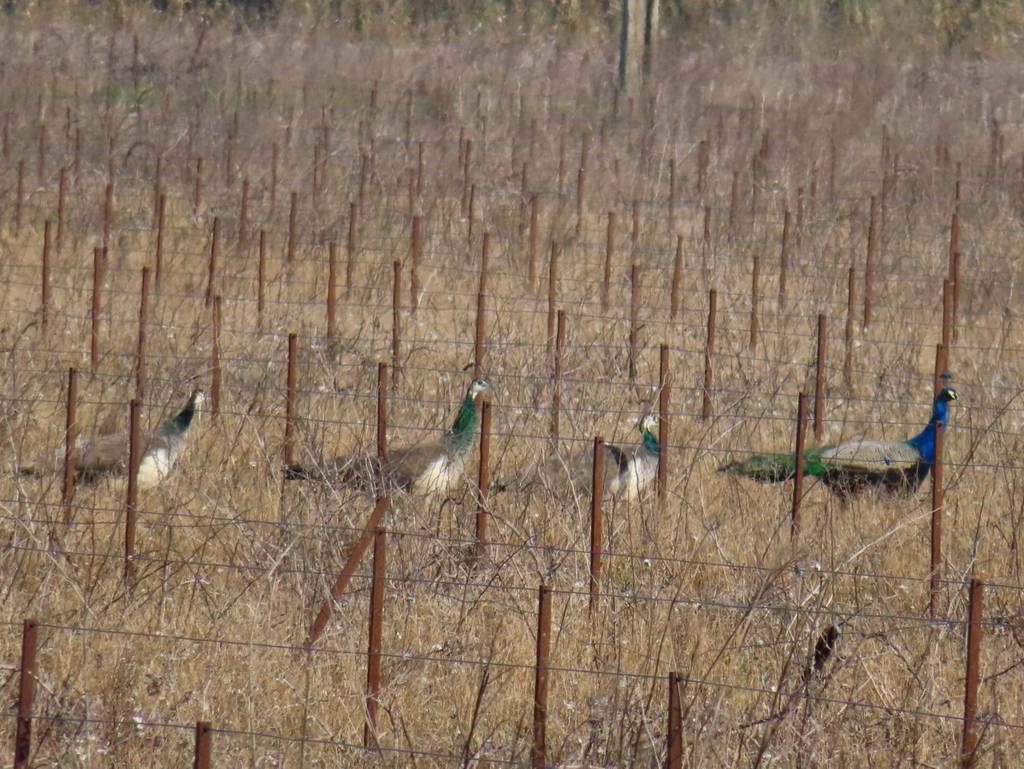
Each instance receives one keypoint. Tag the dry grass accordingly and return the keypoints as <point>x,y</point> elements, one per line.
<point>708,584</point>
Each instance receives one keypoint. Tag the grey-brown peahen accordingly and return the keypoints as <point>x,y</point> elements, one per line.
<point>433,467</point>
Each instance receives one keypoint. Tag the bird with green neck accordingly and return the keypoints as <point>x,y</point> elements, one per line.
<point>628,470</point>
<point>431,468</point>
<point>107,455</point>
<point>851,466</point>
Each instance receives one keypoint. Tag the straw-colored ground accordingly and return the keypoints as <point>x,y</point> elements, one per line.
<point>231,569</point>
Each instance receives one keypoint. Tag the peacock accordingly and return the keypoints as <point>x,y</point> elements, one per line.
<point>853,465</point>
<point>107,455</point>
<point>628,471</point>
<point>430,468</point>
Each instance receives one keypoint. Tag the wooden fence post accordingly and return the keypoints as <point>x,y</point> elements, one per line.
<point>935,581</point>
<point>675,724</point>
<point>374,638</point>
<point>869,263</point>
<point>540,687</point>
<point>596,499</point>
<point>819,378</point>
<point>203,745</point>
<point>289,404</point>
<point>483,479</point>
<point>709,351</point>
<point>969,741</point>
<point>677,279</point>
<point>634,317</point>
<point>664,392</point>
<point>70,438</point>
<point>798,476</point>
<point>134,457</point>
<point>215,378</point>
<point>140,348</point>
<point>26,694</point>
<point>609,255</point>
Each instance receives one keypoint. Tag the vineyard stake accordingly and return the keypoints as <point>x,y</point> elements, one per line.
<point>332,289</point>
<point>382,413</point>
<point>293,213</point>
<point>26,693</point>
<point>483,479</point>
<point>215,357</point>
<point>61,195</point>
<point>140,349</point>
<point>534,233</point>
<point>869,264</point>
<point>709,351</point>
<point>396,323</point>
<point>261,278</point>
<point>675,724</point>
<point>540,686</point>
<point>203,745</point>
<point>798,477</point>
<point>350,245</point>
<point>70,437</point>
<point>819,378</point>
<point>609,255</point>
<point>664,393</point>
<point>131,505</point>
<point>677,280</point>
<point>374,637</point>
<point>289,404</point>
<point>969,741</point>
<point>596,499</point>
<point>348,570</point>
<point>211,275</point>
<point>160,209</point>
<point>634,314</point>
<point>556,399</point>
<point>755,280</point>
<point>44,294</point>
<point>784,261</point>
<point>94,335</point>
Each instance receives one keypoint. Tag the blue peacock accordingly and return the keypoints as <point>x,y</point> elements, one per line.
<point>851,466</point>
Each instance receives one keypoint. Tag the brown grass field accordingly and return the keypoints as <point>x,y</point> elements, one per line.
<point>232,565</point>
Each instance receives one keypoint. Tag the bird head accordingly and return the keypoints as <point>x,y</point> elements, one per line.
<point>648,423</point>
<point>948,394</point>
<point>198,397</point>
<point>476,387</point>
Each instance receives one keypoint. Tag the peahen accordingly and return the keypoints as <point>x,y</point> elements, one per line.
<point>107,455</point>
<point>628,471</point>
<point>434,467</point>
<point>850,466</point>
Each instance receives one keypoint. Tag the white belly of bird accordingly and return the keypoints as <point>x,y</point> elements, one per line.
<point>154,467</point>
<point>631,484</point>
<point>438,478</point>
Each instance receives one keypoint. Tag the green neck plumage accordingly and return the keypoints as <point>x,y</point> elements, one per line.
<point>183,419</point>
<point>651,442</point>
<point>463,431</point>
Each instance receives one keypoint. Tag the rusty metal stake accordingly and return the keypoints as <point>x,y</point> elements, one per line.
<point>540,686</point>
<point>798,476</point>
<point>755,280</point>
<point>211,275</point>
<point>935,581</point>
<point>709,351</point>
<point>140,349</point>
<point>374,638</point>
<point>44,297</point>
<point>869,264</point>
<point>969,741</point>
<point>675,724</point>
<point>332,290</point>
<point>215,357</point>
<point>203,745</point>
<point>677,280</point>
<point>289,403</point>
<point>596,495</point>
<point>94,334</point>
<point>131,505</point>
<point>483,479</point>
<point>664,392</point>
<point>70,438</point>
<point>556,400</point>
<point>26,694</point>
<point>819,378</point>
<point>396,323</point>
<point>634,317</point>
<point>348,570</point>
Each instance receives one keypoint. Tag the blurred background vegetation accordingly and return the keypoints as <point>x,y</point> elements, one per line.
<point>970,27</point>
